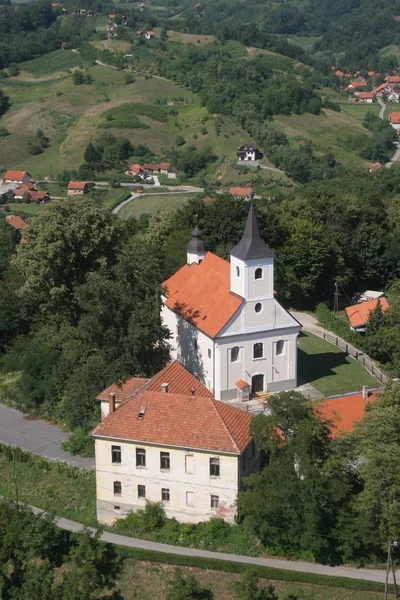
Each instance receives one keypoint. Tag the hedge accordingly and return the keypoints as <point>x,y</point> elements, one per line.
<point>338,326</point>
<point>215,564</point>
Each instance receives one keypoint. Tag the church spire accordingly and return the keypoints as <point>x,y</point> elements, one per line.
<point>196,248</point>
<point>251,246</point>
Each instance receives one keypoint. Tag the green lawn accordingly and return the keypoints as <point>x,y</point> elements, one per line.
<point>150,204</point>
<point>328,368</point>
<point>24,210</point>
<point>59,60</point>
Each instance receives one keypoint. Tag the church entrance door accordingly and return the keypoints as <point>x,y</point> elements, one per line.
<point>257,384</point>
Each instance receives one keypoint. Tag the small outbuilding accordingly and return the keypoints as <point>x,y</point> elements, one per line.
<point>77,188</point>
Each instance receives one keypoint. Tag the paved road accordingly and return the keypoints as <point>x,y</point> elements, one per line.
<point>298,566</point>
<point>383,107</point>
<point>37,436</point>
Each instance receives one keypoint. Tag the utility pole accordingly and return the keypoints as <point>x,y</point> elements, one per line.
<point>15,481</point>
<point>390,565</point>
<point>336,301</point>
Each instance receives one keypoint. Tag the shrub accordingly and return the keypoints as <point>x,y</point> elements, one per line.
<point>4,132</point>
<point>129,78</point>
<point>79,442</point>
<point>180,140</point>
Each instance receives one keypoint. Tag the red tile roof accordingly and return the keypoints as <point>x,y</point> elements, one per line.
<point>241,384</point>
<point>394,117</point>
<point>77,185</point>
<point>179,379</point>
<point>179,420</point>
<point>15,175</point>
<point>241,191</point>
<point>16,222</point>
<point>151,33</point>
<point>200,293</point>
<point>366,95</point>
<point>393,79</point>
<point>376,166</point>
<point>358,314</point>
<point>41,195</point>
<point>358,84</point>
<point>344,412</point>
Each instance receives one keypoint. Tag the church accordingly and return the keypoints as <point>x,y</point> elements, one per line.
<point>226,326</point>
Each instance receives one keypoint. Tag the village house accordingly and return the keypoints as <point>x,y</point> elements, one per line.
<point>359,314</point>
<point>394,96</point>
<point>241,192</point>
<point>367,97</point>
<point>16,221</point>
<point>344,412</point>
<point>375,167</point>
<point>394,118</point>
<point>225,323</point>
<point>149,35</point>
<point>249,151</point>
<point>167,440</point>
<point>76,188</point>
<point>18,177</point>
<point>136,170</point>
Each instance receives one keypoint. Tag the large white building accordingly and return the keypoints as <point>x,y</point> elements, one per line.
<point>166,440</point>
<point>226,326</point>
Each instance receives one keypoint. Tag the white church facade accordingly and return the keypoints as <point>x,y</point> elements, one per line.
<point>226,326</point>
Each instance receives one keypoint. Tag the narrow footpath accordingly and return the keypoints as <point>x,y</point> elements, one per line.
<point>376,575</point>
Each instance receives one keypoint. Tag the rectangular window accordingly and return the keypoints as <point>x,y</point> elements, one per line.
<point>214,501</point>
<point>140,457</point>
<point>189,498</point>
<point>235,354</point>
<point>214,467</point>
<point>258,350</point>
<point>165,494</point>
<point>164,460</point>
<point>209,353</point>
<point>280,347</point>
<point>195,343</point>
<point>141,491</point>
<point>117,488</point>
<point>189,463</point>
<point>116,455</point>
<point>117,508</point>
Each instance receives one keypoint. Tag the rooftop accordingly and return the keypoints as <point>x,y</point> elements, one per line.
<point>15,175</point>
<point>185,421</point>
<point>242,192</point>
<point>77,185</point>
<point>201,294</point>
<point>344,411</point>
<point>251,246</point>
<point>358,314</point>
<point>16,221</point>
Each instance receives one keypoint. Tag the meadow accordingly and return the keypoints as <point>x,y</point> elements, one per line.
<point>151,203</point>
<point>54,62</point>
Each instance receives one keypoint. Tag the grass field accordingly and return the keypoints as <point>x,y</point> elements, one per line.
<point>63,490</point>
<point>151,203</point>
<point>189,38</point>
<point>55,62</point>
<point>328,368</point>
<point>149,581</point>
<point>388,50</point>
<point>24,210</point>
<point>327,132</point>
<point>306,43</point>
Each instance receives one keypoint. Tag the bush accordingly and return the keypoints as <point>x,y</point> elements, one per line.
<point>129,78</point>
<point>79,442</point>
<point>4,132</point>
<point>338,326</point>
<point>180,140</point>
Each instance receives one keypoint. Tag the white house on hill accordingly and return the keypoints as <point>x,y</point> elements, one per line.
<point>226,326</point>
<point>167,440</point>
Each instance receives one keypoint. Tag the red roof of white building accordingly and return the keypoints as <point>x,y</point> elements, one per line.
<point>242,192</point>
<point>16,176</point>
<point>394,117</point>
<point>201,294</point>
<point>185,421</point>
<point>393,79</point>
<point>366,95</point>
<point>77,185</point>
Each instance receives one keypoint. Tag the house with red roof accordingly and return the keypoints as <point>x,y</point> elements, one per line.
<point>344,412</point>
<point>241,192</point>
<point>225,323</point>
<point>16,221</point>
<point>149,35</point>
<point>359,314</point>
<point>76,188</point>
<point>19,177</point>
<point>165,439</point>
<point>367,97</point>
<point>394,118</point>
<point>375,167</point>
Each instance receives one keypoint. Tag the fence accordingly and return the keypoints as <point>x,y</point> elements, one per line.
<point>360,356</point>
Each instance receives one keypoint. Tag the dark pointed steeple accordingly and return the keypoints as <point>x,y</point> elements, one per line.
<point>251,246</point>
<point>196,248</point>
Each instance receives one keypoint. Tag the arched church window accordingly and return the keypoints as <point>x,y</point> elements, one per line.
<point>280,347</point>
<point>258,273</point>
<point>235,352</point>
<point>238,271</point>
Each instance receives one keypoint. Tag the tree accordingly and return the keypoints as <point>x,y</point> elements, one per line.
<point>248,588</point>
<point>187,588</point>
<point>67,242</point>
<point>294,503</point>
<point>78,78</point>
<point>4,102</point>
<point>378,443</point>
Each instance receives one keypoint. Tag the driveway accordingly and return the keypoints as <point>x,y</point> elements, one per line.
<point>37,436</point>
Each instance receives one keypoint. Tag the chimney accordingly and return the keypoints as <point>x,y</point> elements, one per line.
<point>111,403</point>
<point>365,392</point>
<point>164,388</point>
